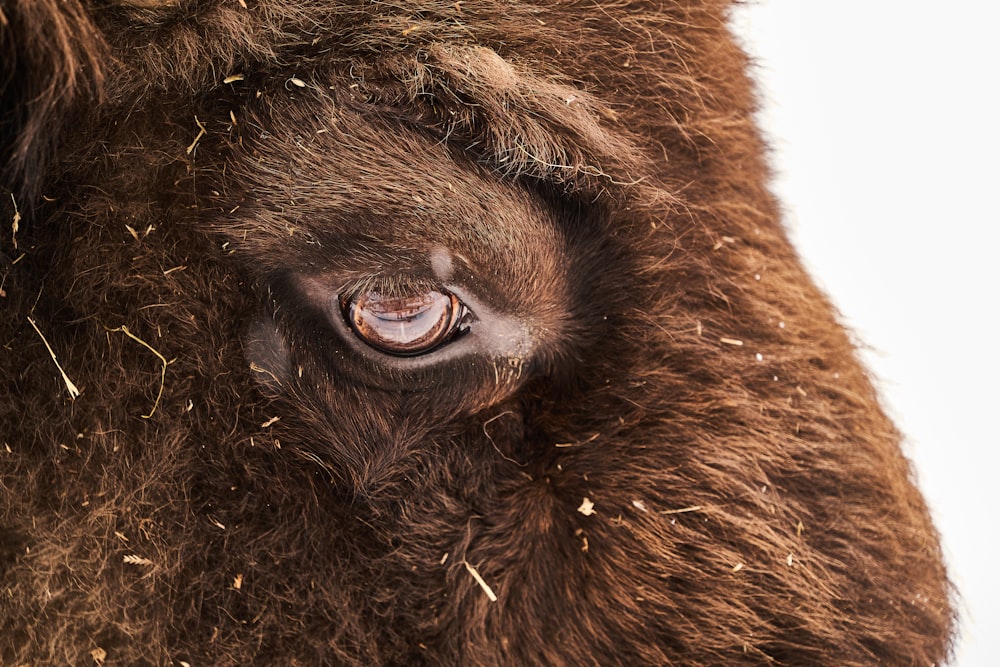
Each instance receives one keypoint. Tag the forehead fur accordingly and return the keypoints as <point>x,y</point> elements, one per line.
<point>517,114</point>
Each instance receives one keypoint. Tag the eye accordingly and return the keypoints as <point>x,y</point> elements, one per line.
<point>406,325</point>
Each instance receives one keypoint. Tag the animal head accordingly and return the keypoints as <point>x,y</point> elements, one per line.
<point>425,333</point>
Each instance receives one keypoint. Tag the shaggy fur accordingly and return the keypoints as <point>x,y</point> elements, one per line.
<point>654,446</point>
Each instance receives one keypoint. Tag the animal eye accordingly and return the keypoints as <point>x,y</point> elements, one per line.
<point>406,325</point>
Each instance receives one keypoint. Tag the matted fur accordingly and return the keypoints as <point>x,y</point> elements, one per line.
<point>664,453</point>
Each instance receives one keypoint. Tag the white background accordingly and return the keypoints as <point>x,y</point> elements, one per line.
<point>884,116</point>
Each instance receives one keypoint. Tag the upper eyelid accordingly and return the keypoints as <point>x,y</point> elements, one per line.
<point>389,285</point>
<point>325,290</point>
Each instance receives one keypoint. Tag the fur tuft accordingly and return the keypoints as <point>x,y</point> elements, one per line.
<point>53,59</point>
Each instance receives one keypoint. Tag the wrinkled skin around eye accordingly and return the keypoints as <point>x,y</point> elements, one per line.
<point>404,325</point>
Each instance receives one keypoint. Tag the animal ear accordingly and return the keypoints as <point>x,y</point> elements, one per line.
<point>51,57</point>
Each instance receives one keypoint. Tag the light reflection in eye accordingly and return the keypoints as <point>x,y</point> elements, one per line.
<point>405,325</point>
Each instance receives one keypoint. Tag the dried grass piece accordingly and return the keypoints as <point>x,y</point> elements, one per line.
<point>163,360</point>
<point>479,580</point>
<point>16,224</point>
<point>201,133</point>
<point>70,387</point>
<point>147,4</point>
<point>576,444</point>
<point>133,559</point>
<point>693,508</point>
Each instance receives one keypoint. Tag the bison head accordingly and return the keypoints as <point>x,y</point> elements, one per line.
<point>349,332</point>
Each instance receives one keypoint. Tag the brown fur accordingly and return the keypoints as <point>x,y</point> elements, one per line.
<point>240,483</point>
